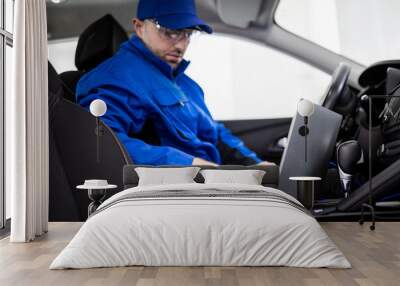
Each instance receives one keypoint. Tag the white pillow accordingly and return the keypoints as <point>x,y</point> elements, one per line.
<point>248,177</point>
<point>166,176</point>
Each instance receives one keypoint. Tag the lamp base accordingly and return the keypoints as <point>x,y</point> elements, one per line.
<point>303,130</point>
<point>372,209</point>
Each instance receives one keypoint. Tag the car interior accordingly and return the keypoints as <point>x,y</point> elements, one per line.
<point>73,129</point>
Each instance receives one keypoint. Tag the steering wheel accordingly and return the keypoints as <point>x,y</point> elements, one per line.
<point>337,88</point>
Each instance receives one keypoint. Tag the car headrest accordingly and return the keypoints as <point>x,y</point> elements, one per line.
<point>99,42</point>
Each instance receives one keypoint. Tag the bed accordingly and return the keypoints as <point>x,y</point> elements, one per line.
<point>201,224</point>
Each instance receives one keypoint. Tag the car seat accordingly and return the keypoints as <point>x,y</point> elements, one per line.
<point>98,42</point>
<point>72,147</point>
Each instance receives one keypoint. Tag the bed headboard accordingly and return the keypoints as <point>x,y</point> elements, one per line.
<point>270,179</point>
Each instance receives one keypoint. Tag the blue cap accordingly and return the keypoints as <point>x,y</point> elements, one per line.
<point>172,14</point>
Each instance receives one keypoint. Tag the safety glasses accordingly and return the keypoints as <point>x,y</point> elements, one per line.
<point>174,36</point>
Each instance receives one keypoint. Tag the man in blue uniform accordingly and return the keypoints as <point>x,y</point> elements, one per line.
<point>145,82</point>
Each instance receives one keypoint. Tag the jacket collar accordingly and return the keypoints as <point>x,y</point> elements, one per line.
<point>165,68</point>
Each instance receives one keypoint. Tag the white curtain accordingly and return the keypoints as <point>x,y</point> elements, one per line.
<point>27,171</point>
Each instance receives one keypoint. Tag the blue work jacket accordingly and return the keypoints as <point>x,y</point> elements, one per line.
<point>137,87</point>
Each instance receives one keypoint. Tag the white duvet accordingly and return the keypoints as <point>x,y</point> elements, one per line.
<point>203,231</point>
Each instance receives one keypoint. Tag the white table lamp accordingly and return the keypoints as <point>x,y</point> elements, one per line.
<point>98,108</point>
<point>305,108</point>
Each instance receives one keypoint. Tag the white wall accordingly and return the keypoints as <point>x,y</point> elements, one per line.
<point>312,19</point>
<point>62,54</point>
<point>363,30</point>
<point>369,29</point>
<point>244,80</point>
<point>212,66</point>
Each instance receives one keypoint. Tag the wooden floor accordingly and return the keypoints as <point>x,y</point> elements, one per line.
<point>375,257</point>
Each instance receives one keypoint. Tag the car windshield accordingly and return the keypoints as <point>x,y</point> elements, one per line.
<point>363,30</point>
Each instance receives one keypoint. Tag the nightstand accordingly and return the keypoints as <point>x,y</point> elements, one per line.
<point>305,190</point>
<point>96,191</point>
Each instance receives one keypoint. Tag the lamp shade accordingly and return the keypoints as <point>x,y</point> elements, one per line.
<point>98,107</point>
<point>305,107</point>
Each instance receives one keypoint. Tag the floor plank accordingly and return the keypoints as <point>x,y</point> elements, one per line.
<point>375,257</point>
